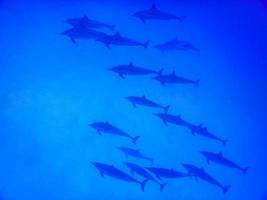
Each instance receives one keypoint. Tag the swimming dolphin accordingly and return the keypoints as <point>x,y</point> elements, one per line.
<point>176,45</point>
<point>165,173</point>
<point>119,40</point>
<point>136,169</point>
<point>153,13</point>
<point>203,131</point>
<point>172,119</point>
<point>135,153</point>
<point>144,101</point>
<point>131,70</point>
<point>197,172</point>
<point>110,170</point>
<point>88,23</point>
<point>106,127</point>
<point>82,33</point>
<point>220,159</point>
<point>174,79</point>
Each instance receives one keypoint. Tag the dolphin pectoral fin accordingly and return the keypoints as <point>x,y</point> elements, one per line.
<point>208,161</point>
<point>226,188</point>
<point>143,20</point>
<point>73,40</point>
<point>162,83</point>
<point>107,45</point>
<point>102,174</point>
<point>162,186</point>
<point>135,139</point>
<point>99,132</point>
<point>244,170</point>
<point>134,105</point>
<point>158,177</point>
<point>122,76</point>
<point>165,122</point>
<point>143,184</point>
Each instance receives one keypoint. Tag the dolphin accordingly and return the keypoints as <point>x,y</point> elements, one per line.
<point>153,13</point>
<point>106,127</point>
<point>88,23</point>
<point>144,101</point>
<point>136,169</point>
<point>110,170</point>
<point>220,159</point>
<point>203,131</point>
<point>119,40</point>
<point>165,173</point>
<point>197,172</point>
<point>135,153</point>
<point>174,79</point>
<point>82,33</point>
<point>176,45</point>
<point>131,70</point>
<point>172,119</point>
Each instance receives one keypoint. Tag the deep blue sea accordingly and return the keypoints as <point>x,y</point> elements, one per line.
<point>52,89</point>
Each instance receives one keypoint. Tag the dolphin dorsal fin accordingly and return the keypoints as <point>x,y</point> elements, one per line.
<point>85,17</point>
<point>131,63</point>
<point>173,73</point>
<point>117,34</point>
<point>153,7</point>
<point>200,125</point>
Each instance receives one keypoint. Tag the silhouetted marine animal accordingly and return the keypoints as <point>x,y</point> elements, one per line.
<point>110,170</point>
<point>136,169</point>
<point>166,173</point>
<point>200,173</point>
<point>119,40</point>
<point>131,70</point>
<point>153,13</point>
<point>176,45</point>
<point>106,127</point>
<point>144,101</point>
<point>88,23</point>
<point>221,160</point>
<point>135,153</point>
<point>174,79</point>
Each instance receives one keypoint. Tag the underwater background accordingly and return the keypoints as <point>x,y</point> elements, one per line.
<point>51,89</point>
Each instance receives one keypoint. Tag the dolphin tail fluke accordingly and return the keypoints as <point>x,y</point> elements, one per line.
<point>197,82</point>
<point>73,40</point>
<point>166,108</point>
<point>145,45</point>
<point>135,139</point>
<point>226,188</point>
<point>224,142</point>
<point>162,186</point>
<point>245,170</point>
<point>143,184</point>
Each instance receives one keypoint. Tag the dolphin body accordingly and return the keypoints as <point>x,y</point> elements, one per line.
<point>131,70</point>
<point>106,127</point>
<point>153,13</point>
<point>119,40</point>
<point>174,79</point>
<point>203,131</point>
<point>197,172</point>
<point>176,45</point>
<point>88,23</point>
<point>166,173</point>
<point>220,159</point>
<point>82,33</point>
<point>135,153</point>
<point>172,119</point>
<point>110,170</point>
<point>144,101</point>
<point>136,169</point>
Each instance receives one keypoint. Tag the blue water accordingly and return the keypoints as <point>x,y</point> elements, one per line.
<point>51,89</point>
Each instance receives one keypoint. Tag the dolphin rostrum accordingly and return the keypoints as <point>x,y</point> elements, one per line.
<point>119,40</point>
<point>110,170</point>
<point>197,172</point>
<point>220,159</point>
<point>153,13</point>
<point>144,101</point>
<point>106,127</point>
<point>136,169</point>
<point>135,153</point>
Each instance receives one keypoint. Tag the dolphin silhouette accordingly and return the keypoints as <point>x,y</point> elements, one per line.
<point>135,153</point>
